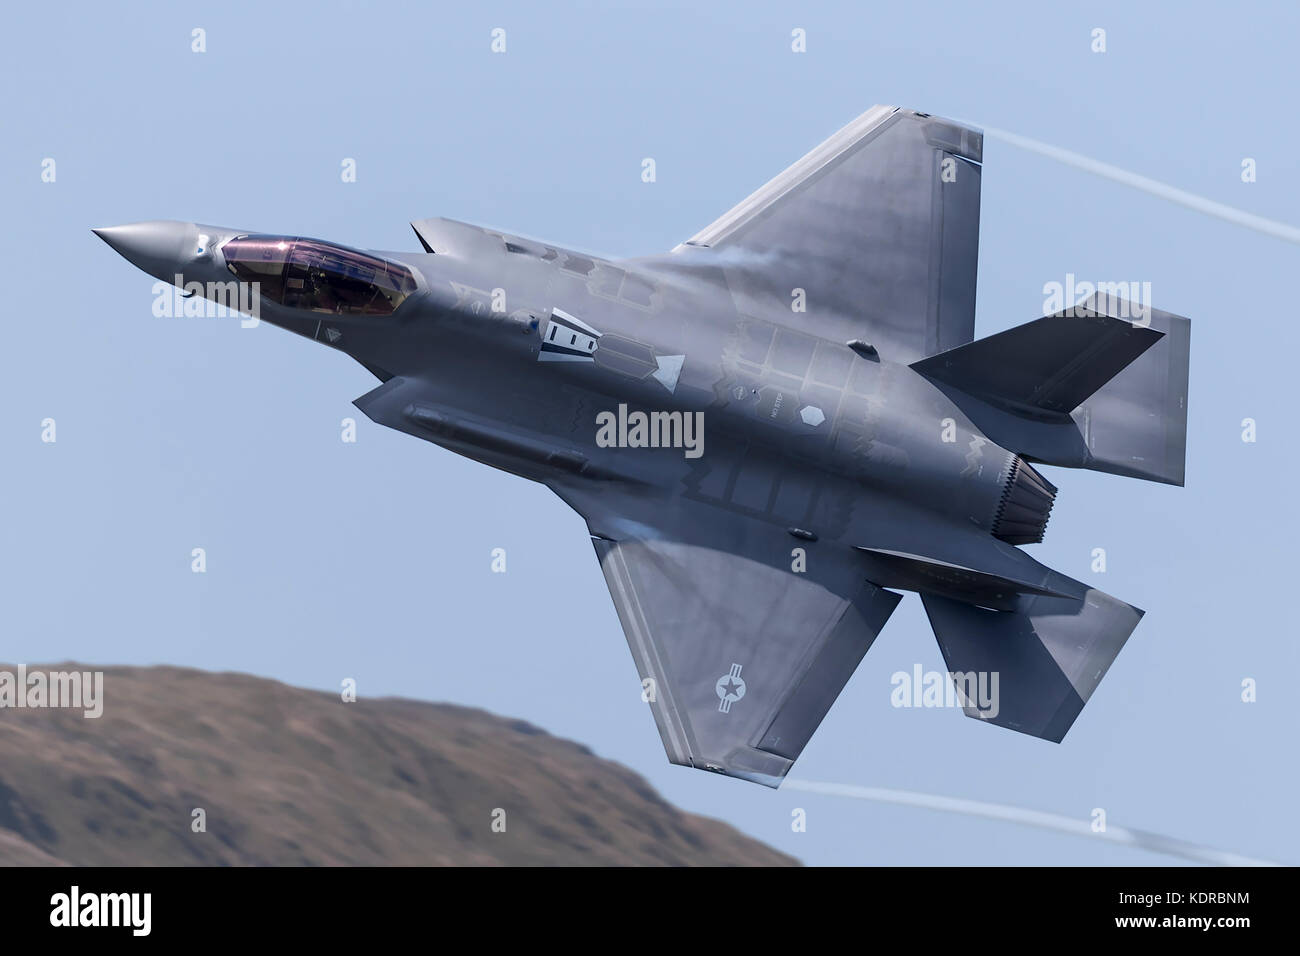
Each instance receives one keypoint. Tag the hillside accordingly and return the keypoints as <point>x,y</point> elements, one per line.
<point>297,777</point>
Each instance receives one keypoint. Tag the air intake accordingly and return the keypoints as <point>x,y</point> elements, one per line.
<point>1021,517</point>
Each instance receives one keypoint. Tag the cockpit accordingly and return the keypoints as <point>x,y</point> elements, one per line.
<point>319,276</point>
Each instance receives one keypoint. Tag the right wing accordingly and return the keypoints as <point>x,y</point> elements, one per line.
<point>740,656</point>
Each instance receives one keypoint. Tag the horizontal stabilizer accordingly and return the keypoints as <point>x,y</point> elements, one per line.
<point>1136,424</point>
<point>1051,365</point>
<point>914,572</point>
<point>1035,666</point>
<point>1101,386</point>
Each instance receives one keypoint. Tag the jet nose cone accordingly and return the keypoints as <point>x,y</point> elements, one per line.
<point>155,247</point>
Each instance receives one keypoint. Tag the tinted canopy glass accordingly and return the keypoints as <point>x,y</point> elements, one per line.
<point>319,276</point>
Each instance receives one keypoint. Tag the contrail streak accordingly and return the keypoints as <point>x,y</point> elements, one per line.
<point>1124,836</point>
<point>1269,227</point>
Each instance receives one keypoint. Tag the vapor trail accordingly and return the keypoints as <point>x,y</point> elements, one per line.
<point>1269,227</point>
<point>1141,839</point>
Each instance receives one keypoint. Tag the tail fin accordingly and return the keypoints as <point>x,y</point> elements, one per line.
<point>1032,669</point>
<point>1101,386</point>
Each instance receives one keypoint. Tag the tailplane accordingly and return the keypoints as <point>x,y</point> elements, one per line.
<point>1031,669</point>
<point>1102,386</point>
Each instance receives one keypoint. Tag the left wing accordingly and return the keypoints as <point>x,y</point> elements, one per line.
<point>879,228</point>
<point>740,656</point>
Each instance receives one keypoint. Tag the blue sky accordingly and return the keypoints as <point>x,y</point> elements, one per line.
<point>371,560</point>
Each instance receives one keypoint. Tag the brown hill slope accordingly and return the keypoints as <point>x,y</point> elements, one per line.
<point>291,776</point>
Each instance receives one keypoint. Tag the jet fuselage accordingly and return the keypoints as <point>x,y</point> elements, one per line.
<point>769,430</point>
<point>473,334</point>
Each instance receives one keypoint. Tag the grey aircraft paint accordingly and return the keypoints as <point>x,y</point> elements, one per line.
<point>853,436</point>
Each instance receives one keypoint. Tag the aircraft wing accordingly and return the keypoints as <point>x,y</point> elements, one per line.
<point>740,656</point>
<point>879,226</point>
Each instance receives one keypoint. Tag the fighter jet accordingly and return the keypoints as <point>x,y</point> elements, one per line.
<point>770,430</point>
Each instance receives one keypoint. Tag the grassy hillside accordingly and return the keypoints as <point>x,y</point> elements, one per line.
<point>296,777</point>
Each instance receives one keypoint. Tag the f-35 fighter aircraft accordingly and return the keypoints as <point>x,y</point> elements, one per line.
<point>769,430</point>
